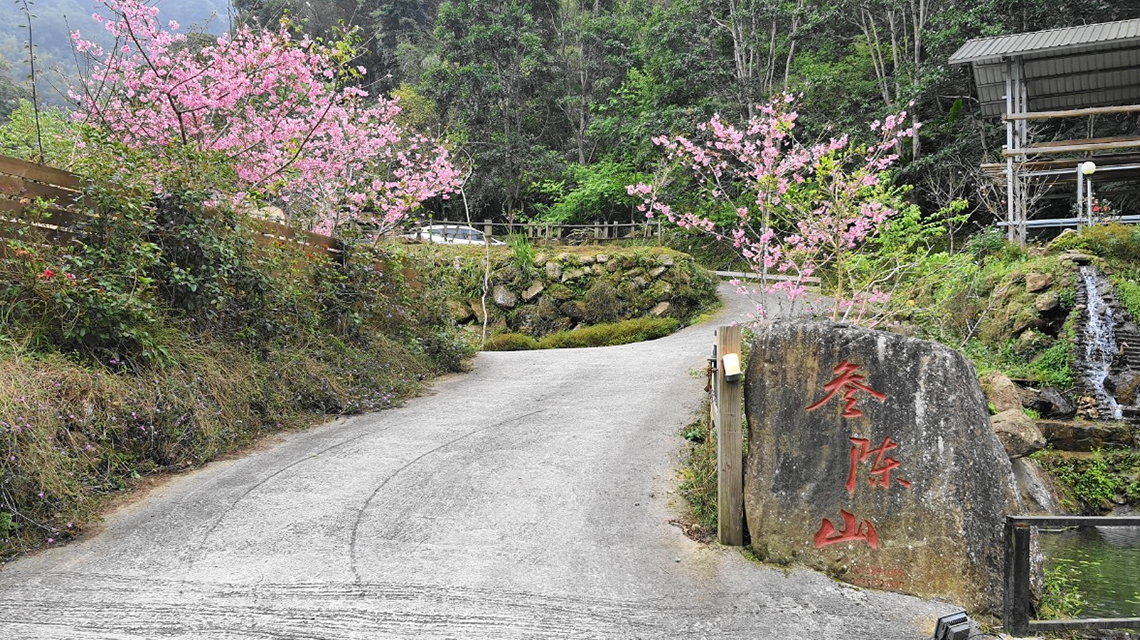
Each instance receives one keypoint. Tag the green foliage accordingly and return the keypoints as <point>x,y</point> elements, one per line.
<point>95,297</point>
<point>522,252</point>
<point>699,472</point>
<point>62,138</point>
<point>163,336</point>
<point>1095,481</point>
<point>1060,597</point>
<point>1128,292</point>
<point>7,525</point>
<point>596,192</point>
<point>1115,240</point>
<point>1051,367</point>
<point>603,335</point>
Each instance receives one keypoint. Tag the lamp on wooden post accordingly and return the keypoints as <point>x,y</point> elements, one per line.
<point>728,397</point>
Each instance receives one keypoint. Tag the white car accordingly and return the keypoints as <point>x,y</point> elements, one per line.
<point>450,234</point>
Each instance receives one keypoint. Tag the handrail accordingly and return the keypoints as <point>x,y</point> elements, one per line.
<point>1016,600</point>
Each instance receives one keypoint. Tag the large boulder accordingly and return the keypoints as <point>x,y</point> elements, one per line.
<point>872,457</point>
<point>1000,391</point>
<point>1017,433</point>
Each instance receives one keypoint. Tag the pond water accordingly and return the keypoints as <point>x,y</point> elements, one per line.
<point>1106,567</point>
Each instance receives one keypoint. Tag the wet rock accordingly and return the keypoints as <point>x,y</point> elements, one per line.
<point>1035,282</point>
<point>1000,391</point>
<point>1077,257</point>
<point>1126,385</point>
<point>905,490</point>
<point>504,298</point>
<point>532,291</point>
<point>660,309</point>
<point>1051,402</point>
<point>1085,436</point>
<point>1017,433</point>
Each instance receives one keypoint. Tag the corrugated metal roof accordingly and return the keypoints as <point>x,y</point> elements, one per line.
<point>1089,66</point>
<point>1052,40</point>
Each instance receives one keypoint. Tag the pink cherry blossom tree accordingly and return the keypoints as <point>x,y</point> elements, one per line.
<point>792,210</point>
<point>271,108</point>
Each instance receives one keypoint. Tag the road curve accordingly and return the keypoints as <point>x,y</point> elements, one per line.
<point>529,498</point>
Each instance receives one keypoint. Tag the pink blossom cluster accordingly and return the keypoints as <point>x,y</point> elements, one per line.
<point>269,105</point>
<point>798,207</point>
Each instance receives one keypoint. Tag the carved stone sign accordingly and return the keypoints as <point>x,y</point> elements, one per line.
<point>871,456</point>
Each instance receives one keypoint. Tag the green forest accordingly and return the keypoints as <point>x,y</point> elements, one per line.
<point>556,102</point>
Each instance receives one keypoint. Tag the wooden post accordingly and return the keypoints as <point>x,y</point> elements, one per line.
<point>1016,601</point>
<point>729,441</point>
<point>486,227</point>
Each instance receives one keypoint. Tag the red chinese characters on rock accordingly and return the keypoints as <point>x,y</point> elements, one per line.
<point>851,383</point>
<point>880,469</point>
<point>850,532</point>
<point>882,464</point>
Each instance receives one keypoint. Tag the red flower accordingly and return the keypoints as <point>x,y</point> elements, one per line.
<point>47,274</point>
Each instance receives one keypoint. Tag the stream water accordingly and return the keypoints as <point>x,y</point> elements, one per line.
<point>1104,564</point>
<point>1100,339</point>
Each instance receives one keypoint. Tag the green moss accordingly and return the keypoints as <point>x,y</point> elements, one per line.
<point>636,330</point>
<point>510,342</point>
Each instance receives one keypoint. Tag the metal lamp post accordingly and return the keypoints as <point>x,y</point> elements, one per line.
<point>1084,171</point>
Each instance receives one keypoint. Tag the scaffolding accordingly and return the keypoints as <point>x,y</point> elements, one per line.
<point>1076,72</point>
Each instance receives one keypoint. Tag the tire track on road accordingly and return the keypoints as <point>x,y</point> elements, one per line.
<point>352,545</point>
<point>254,487</point>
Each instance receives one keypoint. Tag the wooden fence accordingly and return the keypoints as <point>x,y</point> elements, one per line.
<point>23,183</point>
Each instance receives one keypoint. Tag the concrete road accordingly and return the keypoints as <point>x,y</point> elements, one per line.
<point>530,498</point>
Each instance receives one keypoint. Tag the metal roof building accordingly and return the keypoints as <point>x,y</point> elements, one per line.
<point>1060,73</point>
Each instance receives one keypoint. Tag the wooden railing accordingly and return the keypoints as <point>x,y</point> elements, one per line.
<point>23,183</point>
<point>1017,605</point>
<point>549,233</point>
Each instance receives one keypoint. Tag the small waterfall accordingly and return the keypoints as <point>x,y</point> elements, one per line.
<point>1100,342</point>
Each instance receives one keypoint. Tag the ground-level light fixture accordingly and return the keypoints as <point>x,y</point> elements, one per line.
<point>955,626</point>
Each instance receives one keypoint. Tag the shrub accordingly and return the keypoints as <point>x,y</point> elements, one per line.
<point>601,335</point>
<point>510,342</point>
<point>1114,240</point>
<point>1093,481</point>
